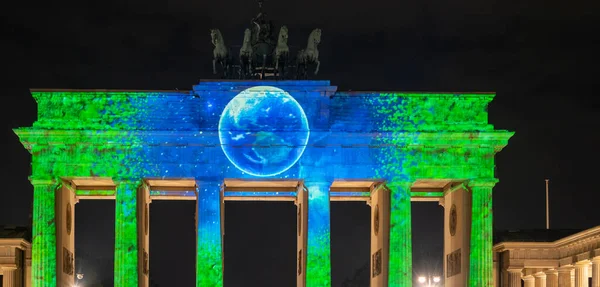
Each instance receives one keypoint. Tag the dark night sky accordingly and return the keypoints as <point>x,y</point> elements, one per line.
<point>539,56</point>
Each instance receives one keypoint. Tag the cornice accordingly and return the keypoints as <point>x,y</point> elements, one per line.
<point>16,243</point>
<point>563,242</point>
<point>496,138</point>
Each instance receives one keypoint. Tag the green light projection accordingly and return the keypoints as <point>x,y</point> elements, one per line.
<point>83,134</point>
<point>132,135</point>
<point>437,136</point>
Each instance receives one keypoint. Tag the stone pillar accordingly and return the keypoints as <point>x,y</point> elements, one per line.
<point>514,277</point>
<point>143,218</point>
<point>126,241</point>
<point>65,235</point>
<point>596,272</point>
<point>581,274</point>
<point>564,276</point>
<point>9,277</point>
<point>27,271</point>
<point>496,277</point>
<point>540,279</point>
<point>481,251</point>
<point>529,281</point>
<point>318,250</point>
<point>302,231</point>
<point>400,257</point>
<point>43,266</point>
<point>209,246</point>
<point>380,237</point>
<point>551,278</point>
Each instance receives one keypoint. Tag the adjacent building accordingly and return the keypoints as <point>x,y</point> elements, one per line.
<point>565,258</point>
<point>15,256</point>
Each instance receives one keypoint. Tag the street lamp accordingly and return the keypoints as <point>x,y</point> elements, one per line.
<point>427,280</point>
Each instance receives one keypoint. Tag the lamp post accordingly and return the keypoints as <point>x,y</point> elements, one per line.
<point>427,280</point>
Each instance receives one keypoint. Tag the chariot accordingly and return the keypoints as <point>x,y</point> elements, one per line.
<point>264,56</point>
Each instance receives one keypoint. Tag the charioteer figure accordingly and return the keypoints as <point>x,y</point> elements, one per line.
<point>262,29</point>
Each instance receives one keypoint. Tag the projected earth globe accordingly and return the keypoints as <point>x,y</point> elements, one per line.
<point>263,131</point>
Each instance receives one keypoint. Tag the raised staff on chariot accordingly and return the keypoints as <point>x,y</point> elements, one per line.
<point>263,56</point>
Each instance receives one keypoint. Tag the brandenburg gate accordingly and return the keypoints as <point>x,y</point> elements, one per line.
<point>300,141</point>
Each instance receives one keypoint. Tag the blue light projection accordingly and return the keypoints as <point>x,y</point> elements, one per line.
<point>263,131</point>
<point>261,128</point>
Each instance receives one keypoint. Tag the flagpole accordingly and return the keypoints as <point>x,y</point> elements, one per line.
<point>547,207</point>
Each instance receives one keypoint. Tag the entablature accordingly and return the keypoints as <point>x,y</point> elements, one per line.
<point>414,140</point>
<point>581,246</point>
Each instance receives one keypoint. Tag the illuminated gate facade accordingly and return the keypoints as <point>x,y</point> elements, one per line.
<point>264,140</point>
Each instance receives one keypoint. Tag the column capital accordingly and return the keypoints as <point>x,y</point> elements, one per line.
<point>595,260</point>
<point>514,270</point>
<point>565,268</point>
<point>528,278</point>
<point>583,263</point>
<point>540,274</point>
<point>9,267</point>
<point>399,184</point>
<point>551,272</point>
<point>308,181</point>
<point>207,183</point>
<point>122,181</point>
<point>42,181</point>
<point>482,182</point>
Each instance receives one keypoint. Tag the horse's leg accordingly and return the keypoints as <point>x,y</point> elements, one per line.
<point>285,66</point>
<point>245,71</point>
<point>281,69</point>
<point>298,70</point>
<point>264,64</point>
<point>318,65</point>
<point>250,66</point>
<point>214,66</point>
<point>224,67</point>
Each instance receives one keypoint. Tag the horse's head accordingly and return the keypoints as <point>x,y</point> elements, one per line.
<point>215,36</point>
<point>315,36</point>
<point>247,35</point>
<point>283,34</point>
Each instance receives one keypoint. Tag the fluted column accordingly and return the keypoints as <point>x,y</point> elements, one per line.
<point>126,243</point>
<point>564,276</point>
<point>540,279</point>
<point>209,245</point>
<point>318,249</point>
<point>514,277</point>
<point>9,277</point>
<point>551,278</point>
<point>596,272</point>
<point>43,267</point>
<point>481,257</point>
<point>581,273</point>
<point>400,256</point>
<point>529,281</point>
